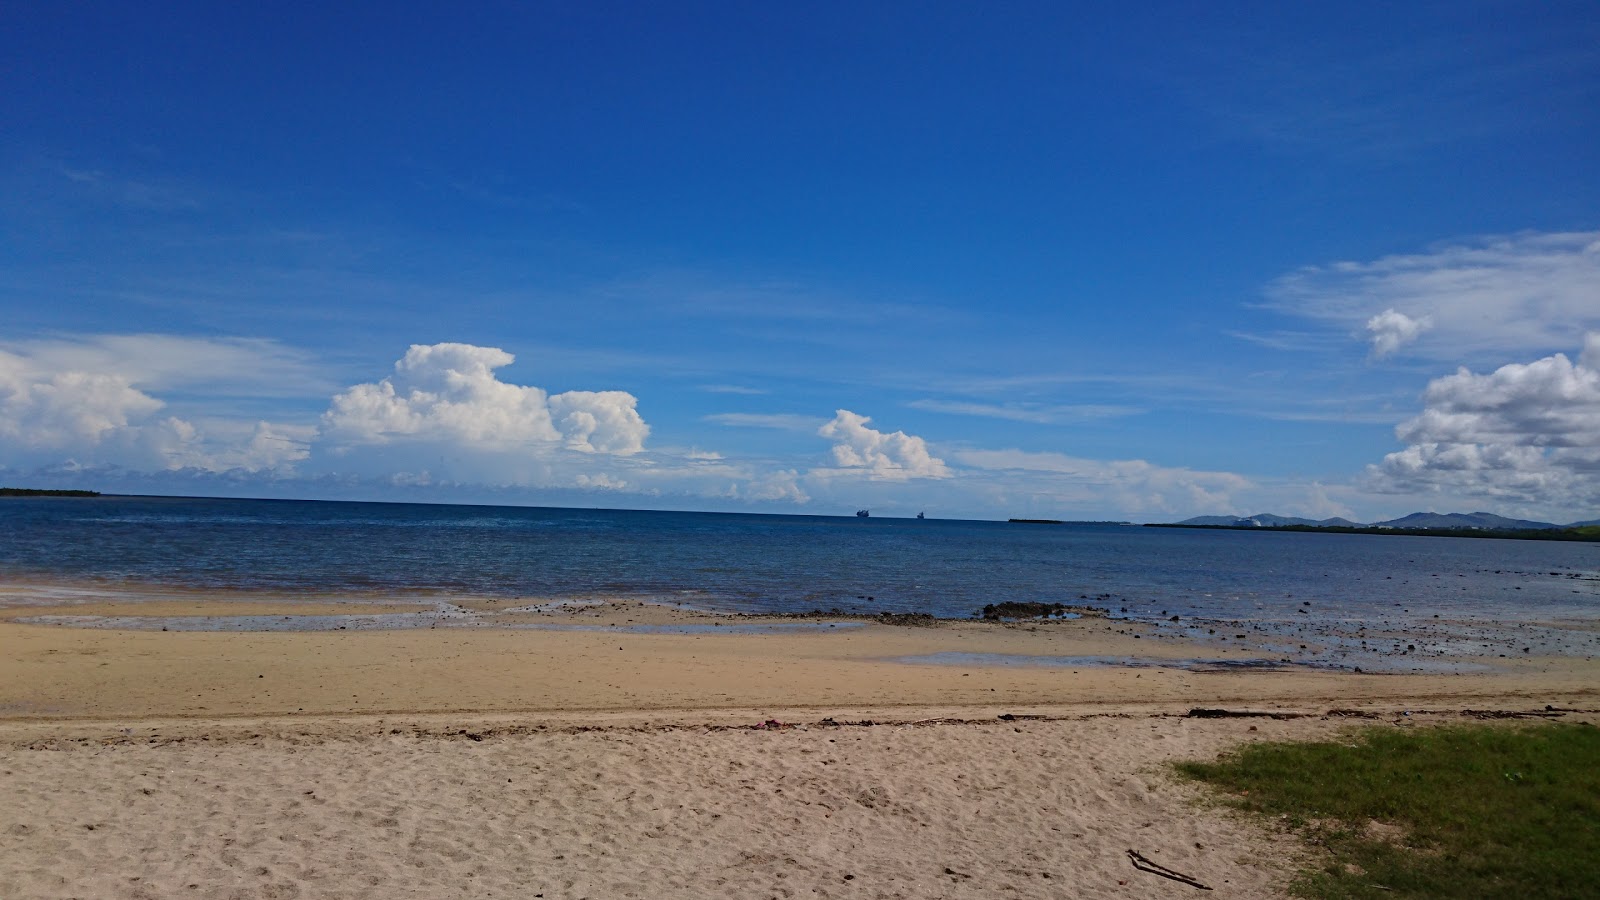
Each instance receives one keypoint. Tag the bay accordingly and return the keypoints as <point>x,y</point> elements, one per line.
<point>1464,595</point>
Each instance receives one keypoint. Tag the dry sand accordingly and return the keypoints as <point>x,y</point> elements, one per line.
<point>567,763</point>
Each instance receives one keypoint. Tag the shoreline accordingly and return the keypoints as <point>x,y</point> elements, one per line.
<point>18,733</point>
<point>1381,642</point>
<point>628,656</point>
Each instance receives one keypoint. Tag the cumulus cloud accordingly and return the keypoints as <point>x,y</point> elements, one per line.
<point>449,393</point>
<point>895,455</point>
<point>96,407</point>
<point>1590,357</point>
<point>1390,330</point>
<point>1525,292</point>
<point>52,410</point>
<point>1528,432</point>
<point>599,421</point>
<point>44,409</point>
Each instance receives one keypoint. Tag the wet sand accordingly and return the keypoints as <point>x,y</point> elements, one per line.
<point>570,760</point>
<point>673,660</point>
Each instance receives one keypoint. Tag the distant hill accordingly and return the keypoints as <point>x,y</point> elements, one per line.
<point>1477,520</point>
<point>1462,520</point>
<point>1267,520</point>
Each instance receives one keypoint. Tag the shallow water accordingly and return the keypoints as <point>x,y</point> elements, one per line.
<point>389,622</point>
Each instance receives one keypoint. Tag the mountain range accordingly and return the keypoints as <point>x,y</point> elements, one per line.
<point>1415,520</point>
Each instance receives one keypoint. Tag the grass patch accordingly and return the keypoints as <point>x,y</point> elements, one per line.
<point>1457,811</point>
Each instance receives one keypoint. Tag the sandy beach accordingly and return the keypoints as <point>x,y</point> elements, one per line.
<point>577,759</point>
<point>887,451</point>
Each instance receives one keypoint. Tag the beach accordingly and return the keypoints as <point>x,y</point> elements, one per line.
<point>620,749</point>
<point>897,450</point>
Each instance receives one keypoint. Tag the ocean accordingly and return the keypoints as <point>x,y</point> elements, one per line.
<point>1455,597</point>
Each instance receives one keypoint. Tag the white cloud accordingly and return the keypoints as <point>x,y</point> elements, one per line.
<point>1036,413</point>
<point>1590,357</point>
<point>782,485</point>
<point>45,409</point>
<point>1391,330</point>
<point>600,421</point>
<point>1526,292</point>
<point>1318,504</point>
<point>250,446</point>
<point>443,426</point>
<point>238,367</point>
<point>602,481</point>
<point>448,393</point>
<point>893,455</point>
<point>173,444</point>
<point>1546,403</point>
<point>1131,486</point>
<point>1288,341</point>
<point>53,408</point>
<point>1528,433</point>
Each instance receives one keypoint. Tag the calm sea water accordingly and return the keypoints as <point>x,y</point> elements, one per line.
<point>755,563</point>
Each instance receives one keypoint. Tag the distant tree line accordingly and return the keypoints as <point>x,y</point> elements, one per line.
<point>1585,533</point>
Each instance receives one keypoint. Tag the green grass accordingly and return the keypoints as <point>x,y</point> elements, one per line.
<point>1482,811</point>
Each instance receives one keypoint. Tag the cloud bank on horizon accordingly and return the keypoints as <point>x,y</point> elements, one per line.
<point>443,418</point>
<point>1528,434</point>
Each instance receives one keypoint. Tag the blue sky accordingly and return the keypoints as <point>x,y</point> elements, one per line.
<point>1040,260</point>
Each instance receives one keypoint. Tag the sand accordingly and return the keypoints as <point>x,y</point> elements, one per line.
<point>575,763</point>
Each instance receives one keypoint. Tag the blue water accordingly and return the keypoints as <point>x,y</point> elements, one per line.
<point>756,563</point>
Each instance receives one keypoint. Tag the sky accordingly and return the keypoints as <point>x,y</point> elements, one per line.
<point>1044,260</point>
